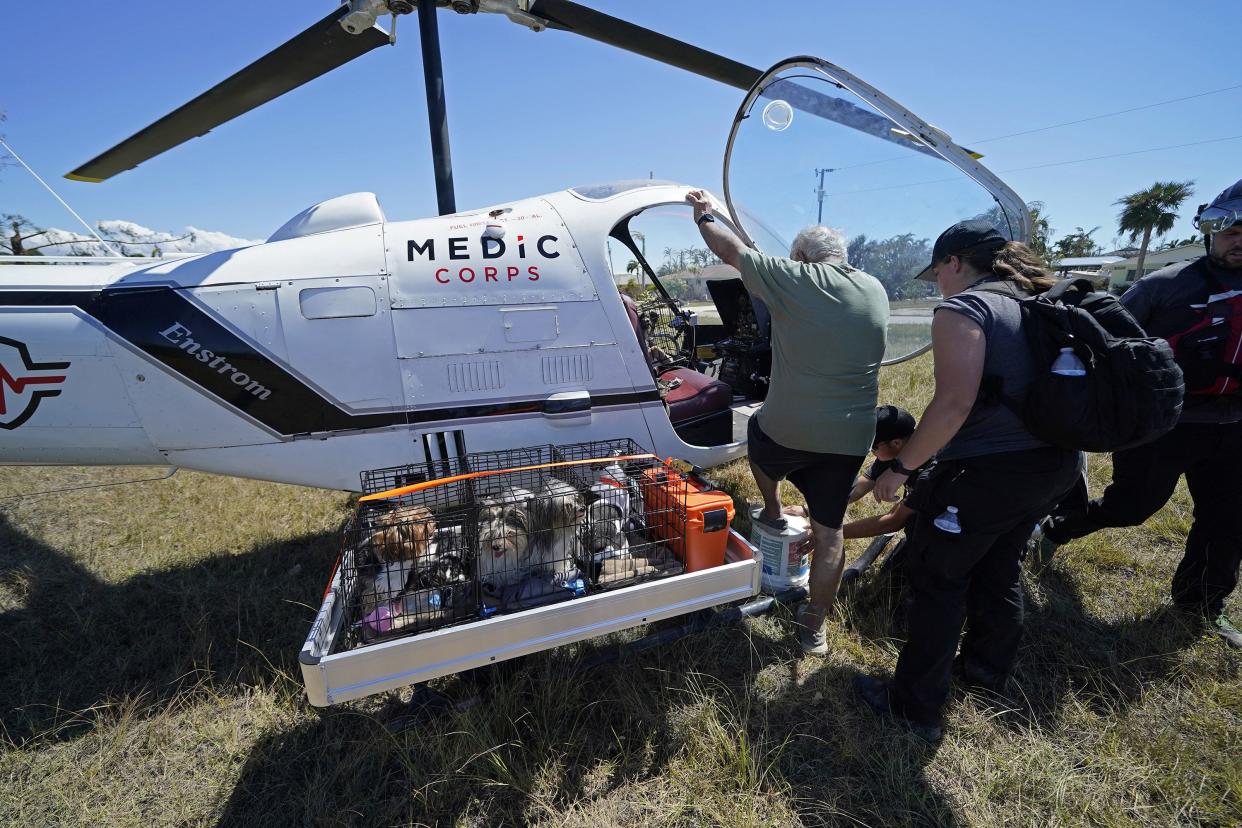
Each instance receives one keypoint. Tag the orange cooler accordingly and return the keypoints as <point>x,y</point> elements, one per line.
<point>691,508</point>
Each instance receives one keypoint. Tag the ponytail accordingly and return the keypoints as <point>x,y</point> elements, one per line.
<point>1015,262</point>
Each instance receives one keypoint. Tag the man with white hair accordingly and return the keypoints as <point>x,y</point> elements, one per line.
<point>818,421</point>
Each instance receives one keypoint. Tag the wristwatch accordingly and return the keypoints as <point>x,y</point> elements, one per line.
<point>900,469</point>
<point>703,219</point>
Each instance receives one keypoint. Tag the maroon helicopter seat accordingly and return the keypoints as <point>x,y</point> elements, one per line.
<point>692,395</point>
<point>698,395</point>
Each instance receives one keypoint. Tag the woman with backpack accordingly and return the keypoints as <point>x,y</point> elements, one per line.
<point>991,480</point>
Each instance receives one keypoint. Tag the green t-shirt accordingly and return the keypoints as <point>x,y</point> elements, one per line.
<point>828,328</point>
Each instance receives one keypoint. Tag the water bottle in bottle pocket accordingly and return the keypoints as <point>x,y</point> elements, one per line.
<point>1067,364</point>
<point>948,522</point>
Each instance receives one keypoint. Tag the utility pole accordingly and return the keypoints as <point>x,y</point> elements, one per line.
<point>819,193</point>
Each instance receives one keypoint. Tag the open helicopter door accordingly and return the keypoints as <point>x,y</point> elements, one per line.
<point>812,144</point>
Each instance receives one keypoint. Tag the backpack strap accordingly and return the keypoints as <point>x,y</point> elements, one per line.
<point>991,387</point>
<point>1070,291</point>
<point>1001,287</point>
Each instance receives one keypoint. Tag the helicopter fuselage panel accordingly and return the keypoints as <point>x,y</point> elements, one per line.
<point>311,358</point>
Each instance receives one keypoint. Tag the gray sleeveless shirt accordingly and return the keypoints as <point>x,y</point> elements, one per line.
<point>991,427</point>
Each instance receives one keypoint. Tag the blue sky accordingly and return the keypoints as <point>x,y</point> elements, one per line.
<point>532,113</point>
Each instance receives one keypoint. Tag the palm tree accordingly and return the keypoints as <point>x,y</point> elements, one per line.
<point>1041,230</point>
<point>1078,243</point>
<point>642,239</point>
<point>1151,211</point>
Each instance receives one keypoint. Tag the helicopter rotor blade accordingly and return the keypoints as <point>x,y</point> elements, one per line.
<point>581,20</point>
<point>587,22</point>
<point>316,51</point>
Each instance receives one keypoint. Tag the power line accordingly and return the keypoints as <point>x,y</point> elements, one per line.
<point>1063,124</point>
<point>1043,166</point>
<point>1107,115</point>
<point>1122,154</point>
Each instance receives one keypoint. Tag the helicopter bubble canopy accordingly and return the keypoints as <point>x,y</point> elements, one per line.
<point>812,144</point>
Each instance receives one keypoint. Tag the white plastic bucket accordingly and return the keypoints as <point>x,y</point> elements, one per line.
<point>786,554</point>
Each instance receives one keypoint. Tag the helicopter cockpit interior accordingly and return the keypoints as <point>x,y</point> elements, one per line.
<point>706,338</point>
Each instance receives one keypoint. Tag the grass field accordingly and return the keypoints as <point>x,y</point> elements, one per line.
<point>148,671</point>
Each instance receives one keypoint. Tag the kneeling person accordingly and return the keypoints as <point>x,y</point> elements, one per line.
<point>893,426</point>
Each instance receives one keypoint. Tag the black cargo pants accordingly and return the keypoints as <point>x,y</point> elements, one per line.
<point>1144,477</point>
<point>974,576</point>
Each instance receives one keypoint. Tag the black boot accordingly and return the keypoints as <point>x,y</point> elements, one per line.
<point>874,693</point>
<point>978,680</point>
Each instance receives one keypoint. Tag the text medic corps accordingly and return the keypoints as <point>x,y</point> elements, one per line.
<point>479,271</point>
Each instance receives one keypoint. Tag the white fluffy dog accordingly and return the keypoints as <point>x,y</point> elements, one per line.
<point>522,534</point>
<point>503,551</point>
<point>560,515</point>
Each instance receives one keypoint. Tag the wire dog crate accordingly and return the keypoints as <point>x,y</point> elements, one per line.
<point>506,531</point>
<point>669,335</point>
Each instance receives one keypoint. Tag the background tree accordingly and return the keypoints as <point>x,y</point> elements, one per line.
<point>1172,243</point>
<point>1151,212</point>
<point>895,262</point>
<point>24,232</point>
<point>679,289</point>
<point>686,260</point>
<point>634,290</point>
<point>5,159</point>
<point>641,238</point>
<point>1076,244</point>
<point>1041,228</point>
<point>1041,231</point>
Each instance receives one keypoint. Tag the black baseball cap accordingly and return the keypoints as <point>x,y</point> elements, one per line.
<point>963,236</point>
<point>892,423</point>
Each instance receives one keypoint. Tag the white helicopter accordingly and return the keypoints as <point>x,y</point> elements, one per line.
<point>349,342</point>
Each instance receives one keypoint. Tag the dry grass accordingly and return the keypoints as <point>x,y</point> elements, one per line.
<point>148,640</point>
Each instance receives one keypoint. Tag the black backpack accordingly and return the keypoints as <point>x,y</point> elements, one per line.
<point>1132,391</point>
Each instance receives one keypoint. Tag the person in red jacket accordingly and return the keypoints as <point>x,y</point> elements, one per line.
<point>1191,304</point>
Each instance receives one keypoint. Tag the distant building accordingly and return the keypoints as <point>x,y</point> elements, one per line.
<point>1082,264</point>
<point>1121,274</point>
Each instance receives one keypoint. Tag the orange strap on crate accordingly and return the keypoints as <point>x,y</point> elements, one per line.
<point>418,487</point>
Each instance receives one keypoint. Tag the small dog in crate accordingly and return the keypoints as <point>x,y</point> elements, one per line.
<point>560,515</point>
<point>503,551</point>
<point>604,534</point>
<point>401,542</point>
<point>402,534</point>
<point>523,534</point>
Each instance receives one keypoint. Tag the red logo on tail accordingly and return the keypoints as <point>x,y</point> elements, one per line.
<point>24,382</point>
